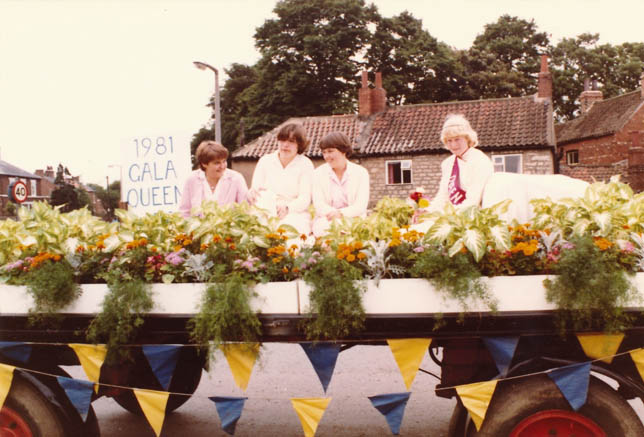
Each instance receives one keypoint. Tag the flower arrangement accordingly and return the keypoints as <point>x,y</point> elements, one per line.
<point>235,242</point>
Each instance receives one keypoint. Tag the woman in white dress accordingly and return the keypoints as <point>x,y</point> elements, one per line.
<point>468,178</point>
<point>340,187</point>
<point>282,179</point>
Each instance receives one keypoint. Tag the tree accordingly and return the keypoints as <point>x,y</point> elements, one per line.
<point>616,68</point>
<point>504,60</point>
<point>66,194</point>
<point>310,60</point>
<point>234,106</point>
<point>415,66</point>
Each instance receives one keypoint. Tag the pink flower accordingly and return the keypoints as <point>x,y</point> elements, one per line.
<point>13,265</point>
<point>174,258</point>
<point>419,249</point>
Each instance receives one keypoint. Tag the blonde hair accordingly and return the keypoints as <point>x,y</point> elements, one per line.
<point>456,125</point>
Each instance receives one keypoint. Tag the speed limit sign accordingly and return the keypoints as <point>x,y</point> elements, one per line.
<point>18,191</point>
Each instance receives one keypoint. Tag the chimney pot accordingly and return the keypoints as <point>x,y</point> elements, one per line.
<point>544,63</point>
<point>587,84</point>
<point>378,79</point>
<point>544,84</point>
<point>365,79</point>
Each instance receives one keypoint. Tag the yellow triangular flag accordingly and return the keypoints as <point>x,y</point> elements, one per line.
<point>153,405</point>
<point>638,358</point>
<point>241,359</point>
<point>91,357</point>
<point>600,345</point>
<point>476,398</point>
<point>6,376</point>
<point>310,411</point>
<point>409,353</point>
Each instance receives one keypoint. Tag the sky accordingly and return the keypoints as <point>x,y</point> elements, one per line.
<point>80,78</point>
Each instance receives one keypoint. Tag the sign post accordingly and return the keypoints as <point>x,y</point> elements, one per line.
<point>154,170</point>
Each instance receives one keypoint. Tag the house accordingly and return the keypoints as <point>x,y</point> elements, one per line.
<point>400,145</point>
<point>10,173</point>
<point>606,139</point>
<point>48,177</point>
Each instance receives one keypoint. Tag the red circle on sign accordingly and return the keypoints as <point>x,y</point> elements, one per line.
<point>18,191</point>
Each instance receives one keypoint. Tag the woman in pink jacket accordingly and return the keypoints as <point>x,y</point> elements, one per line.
<point>212,180</point>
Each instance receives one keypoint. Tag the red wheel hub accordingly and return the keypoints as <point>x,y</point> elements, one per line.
<point>557,423</point>
<point>12,425</point>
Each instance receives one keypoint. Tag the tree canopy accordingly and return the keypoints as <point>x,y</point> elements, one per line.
<point>312,53</point>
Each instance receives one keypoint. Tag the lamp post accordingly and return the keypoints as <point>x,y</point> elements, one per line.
<point>203,66</point>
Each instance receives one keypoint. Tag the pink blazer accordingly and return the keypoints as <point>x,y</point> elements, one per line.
<point>231,188</point>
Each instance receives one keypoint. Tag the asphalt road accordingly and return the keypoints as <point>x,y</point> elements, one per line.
<point>284,372</point>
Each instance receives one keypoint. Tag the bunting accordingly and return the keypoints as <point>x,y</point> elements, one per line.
<point>638,358</point>
<point>91,357</point>
<point>241,359</point>
<point>6,376</point>
<point>502,351</point>
<point>600,346</point>
<point>392,406</point>
<point>15,350</point>
<point>79,393</point>
<point>153,405</point>
<point>229,410</point>
<point>408,354</point>
<point>572,381</point>
<point>163,361</point>
<point>323,357</point>
<point>476,398</point>
<point>310,411</point>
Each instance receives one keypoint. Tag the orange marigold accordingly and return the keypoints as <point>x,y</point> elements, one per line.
<point>602,243</point>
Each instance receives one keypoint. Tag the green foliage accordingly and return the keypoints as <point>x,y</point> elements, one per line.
<point>225,313</point>
<point>52,286</point>
<point>121,316</point>
<point>458,276</point>
<point>10,208</point>
<point>336,299</point>
<point>591,288</point>
<point>109,198</point>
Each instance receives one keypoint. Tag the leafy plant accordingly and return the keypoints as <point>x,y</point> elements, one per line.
<point>471,228</point>
<point>457,276</point>
<point>591,288</point>
<point>336,309</point>
<point>50,280</point>
<point>121,316</point>
<point>225,313</point>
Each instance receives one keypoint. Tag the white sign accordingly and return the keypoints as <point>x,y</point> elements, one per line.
<point>155,168</point>
<point>18,191</point>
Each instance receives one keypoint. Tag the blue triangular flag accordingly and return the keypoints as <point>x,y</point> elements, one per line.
<point>392,406</point>
<point>163,361</point>
<point>229,410</point>
<point>323,357</point>
<point>79,393</point>
<point>572,381</point>
<point>15,350</point>
<point>502,350</point>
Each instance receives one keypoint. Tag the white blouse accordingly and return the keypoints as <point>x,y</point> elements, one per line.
<point>328,190</point>
<point>291,184</point>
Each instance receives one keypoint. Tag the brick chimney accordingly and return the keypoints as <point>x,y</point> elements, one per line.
<point>590,96</point>
<point>371,101</point>
<point>544,87</point>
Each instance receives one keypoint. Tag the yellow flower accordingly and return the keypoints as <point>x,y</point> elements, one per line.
<point>394,242</point>
<point>602,243</point>
<point>351,257</point>
<point>361,255</point>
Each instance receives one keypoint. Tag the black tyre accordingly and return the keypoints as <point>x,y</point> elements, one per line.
<point>185,380</point>
<point>534,406</point>
<point>32,409</point>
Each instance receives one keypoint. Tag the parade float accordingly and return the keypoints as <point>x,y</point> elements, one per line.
<point>510,311</point>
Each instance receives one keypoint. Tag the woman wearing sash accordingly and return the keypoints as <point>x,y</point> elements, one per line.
<point>465,173</point>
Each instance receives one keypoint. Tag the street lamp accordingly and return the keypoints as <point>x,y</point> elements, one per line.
<point>203,66</point>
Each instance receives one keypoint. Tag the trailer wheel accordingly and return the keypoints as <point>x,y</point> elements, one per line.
<point>26,413</point>
<point>185,380</point>
<point>535,406</point>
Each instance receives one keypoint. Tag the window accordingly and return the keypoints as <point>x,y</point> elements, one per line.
<point>32,191</point>
<point>572,157</point>
<point>399,172</point>
<point>507,163</point>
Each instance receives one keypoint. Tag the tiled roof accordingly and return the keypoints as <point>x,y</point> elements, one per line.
<point>604,118</point>
<point>500,123</point>
<point>7,169</point>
